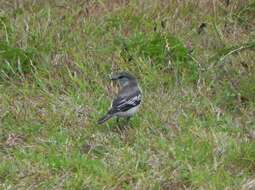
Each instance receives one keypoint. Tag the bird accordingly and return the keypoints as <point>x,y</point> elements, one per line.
<point>128,99</point>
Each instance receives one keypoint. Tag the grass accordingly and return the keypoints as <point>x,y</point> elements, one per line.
<point>195,129</point>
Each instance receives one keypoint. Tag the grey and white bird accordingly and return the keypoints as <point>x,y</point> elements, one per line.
<point>128,99</point>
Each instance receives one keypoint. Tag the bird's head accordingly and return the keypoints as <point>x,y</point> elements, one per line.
<point>124,78</point>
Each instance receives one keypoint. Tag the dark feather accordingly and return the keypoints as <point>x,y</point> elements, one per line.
<point>104,119</point>
<point>124,103</point>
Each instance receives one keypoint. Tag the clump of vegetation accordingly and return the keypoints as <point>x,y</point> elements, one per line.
<point>163,51</point>
<point>158,47</point>
<point>16,60</point>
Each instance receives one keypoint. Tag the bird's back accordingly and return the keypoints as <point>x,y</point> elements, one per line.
<point>128,97</point>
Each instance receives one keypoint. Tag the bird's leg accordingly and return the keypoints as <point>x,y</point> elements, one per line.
<point>127,121</point>
<point>118,121</point>
<point>119,124</point>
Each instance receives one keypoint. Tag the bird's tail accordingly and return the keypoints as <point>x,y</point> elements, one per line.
<point>104,119</point>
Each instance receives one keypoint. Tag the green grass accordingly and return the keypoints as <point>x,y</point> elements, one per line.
<point>195,129</point>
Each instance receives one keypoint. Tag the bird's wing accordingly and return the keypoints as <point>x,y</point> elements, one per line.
<point>126,100</point>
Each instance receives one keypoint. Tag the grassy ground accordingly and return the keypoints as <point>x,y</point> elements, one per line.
<point>195,63</point>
